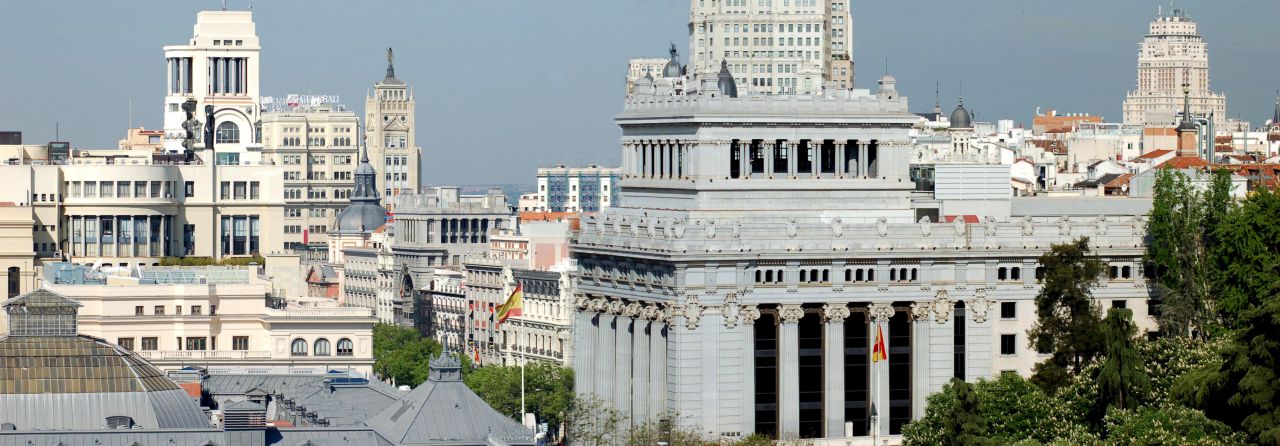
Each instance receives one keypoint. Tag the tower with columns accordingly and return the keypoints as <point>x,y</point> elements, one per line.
<point>390,136</point>
<point>761,242</point>
<point>218,67</point>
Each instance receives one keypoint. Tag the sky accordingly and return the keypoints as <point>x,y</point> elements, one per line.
<point>506,86</point>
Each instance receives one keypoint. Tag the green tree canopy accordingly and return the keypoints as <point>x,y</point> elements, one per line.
<point>966,426</point>
<point>402,354</point>
<point>548,390</point>
<point>1121,378</point>
<point>1068,319</point>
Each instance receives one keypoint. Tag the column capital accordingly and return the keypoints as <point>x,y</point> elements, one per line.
<point>631,310</point>
<point>881,312</point>
<point>835,313</point>
<point>749,314</point>
<point>790,313</point>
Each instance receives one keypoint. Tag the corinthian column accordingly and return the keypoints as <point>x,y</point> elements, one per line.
<point>789,369</point>
<point>880,314</point>
<point>833,316</point>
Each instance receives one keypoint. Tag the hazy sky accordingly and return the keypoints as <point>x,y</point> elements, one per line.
<point>504,86</point>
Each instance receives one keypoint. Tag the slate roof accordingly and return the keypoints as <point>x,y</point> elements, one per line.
<point>443,411</point>
<point>336,398</point>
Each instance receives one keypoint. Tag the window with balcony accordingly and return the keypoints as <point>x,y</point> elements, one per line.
<point>150,343</point>
<point>197,343</point>
<point>240,343</point>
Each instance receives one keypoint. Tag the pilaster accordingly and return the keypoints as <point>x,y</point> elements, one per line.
<point>833,316</point>
<point>789,370</point>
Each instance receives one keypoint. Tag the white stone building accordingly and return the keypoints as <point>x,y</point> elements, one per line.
<point>1173,59</point>
<point>217,67</point>
<point>773,46</point>
<point>758,242</point>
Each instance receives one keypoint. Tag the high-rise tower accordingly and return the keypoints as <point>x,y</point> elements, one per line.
<point>389,128</point>
<point>218,67</point>
<point>1173,54</point>
<point>773,46</point>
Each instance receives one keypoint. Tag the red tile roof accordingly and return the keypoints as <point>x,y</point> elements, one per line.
<point>1154,154</point>
<point>966,218</point>
<point>1184,162</point>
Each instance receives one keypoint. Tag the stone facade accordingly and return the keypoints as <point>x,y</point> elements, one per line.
<point>761,243</point>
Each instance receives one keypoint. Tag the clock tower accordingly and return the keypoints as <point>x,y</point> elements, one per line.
<point>389,122</point>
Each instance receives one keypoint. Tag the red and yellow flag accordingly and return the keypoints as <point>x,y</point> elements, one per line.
<point>878,352</point>
<point>513,306</point>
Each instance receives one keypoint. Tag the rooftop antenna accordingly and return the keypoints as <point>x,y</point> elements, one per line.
<point>886,66</point>
<point>224,5</point>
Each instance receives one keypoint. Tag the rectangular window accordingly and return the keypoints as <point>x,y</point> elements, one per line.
<point>240,343</point>
<point>1008,344</point>
<point>1008,310</point>
<point>225,190</point>
<point>150,343</point>
<point>196,310</point>
<point>140,189</point>
<point>240,192</point>
<point>190,189</point>
<point>177,310</point>
<point>137,311</point>
<point>253,190</point>
<point>1119,303</point>
<point>159,310</point>
<point>107,190</point>
<point>122,189</point>
<point>125,342</point>
<point>90,189</point>
<point>197,343</point>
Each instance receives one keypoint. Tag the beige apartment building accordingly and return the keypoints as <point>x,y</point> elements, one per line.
<point>773,46</point>
<point>316,146</point>
<point>136,211</point>
<point>214,317</point>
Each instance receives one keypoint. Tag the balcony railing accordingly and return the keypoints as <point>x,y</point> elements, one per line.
<point>203,354</point>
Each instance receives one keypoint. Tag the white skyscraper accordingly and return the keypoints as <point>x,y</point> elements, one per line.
<point>218,67</point>
<point>773,46</point>
<point>1172,59</point>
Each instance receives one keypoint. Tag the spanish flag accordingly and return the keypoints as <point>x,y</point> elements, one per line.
<point>878,352</point>
<point>513,305</point>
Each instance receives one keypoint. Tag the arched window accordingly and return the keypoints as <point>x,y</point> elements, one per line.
<point>228,133</point>
<point>321,347</point>
<point>299,347</point>
<point>15,283</point>
<point>345,347</point>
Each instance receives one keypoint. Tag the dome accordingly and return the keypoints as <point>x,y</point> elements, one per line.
<point>45,367</point>
<point>960,118</point>
<point>365,213</point>
<point>728,87</point>
<point>672,69</point>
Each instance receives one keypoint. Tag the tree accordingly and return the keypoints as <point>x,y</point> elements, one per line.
<point>966,425</point>
<point>1170,425</point>
<point>1180,219</point>
<point>1013,408</point>
<point>1120,377</point>
<point>1067,316</point>
<point>402,354</point>
<point>1243,389</point>
<point>548,389</point>
<point>1247,257</point>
